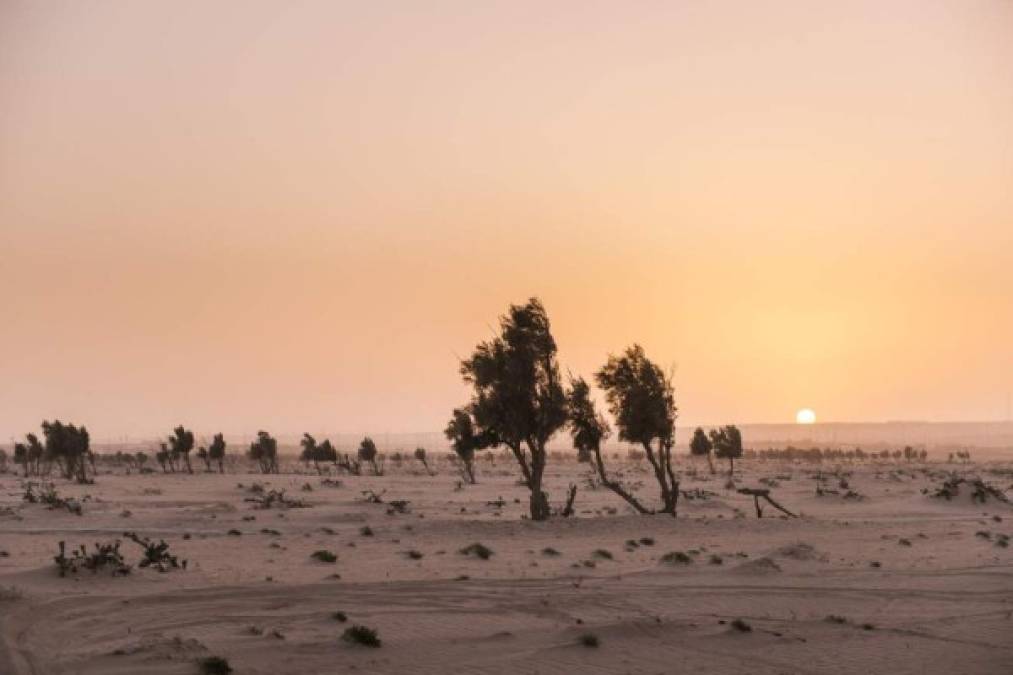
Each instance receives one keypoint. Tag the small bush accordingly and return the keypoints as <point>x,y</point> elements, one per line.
<point>214,665</point>
<point>361,635</point>
<point>589,640</point>
<point>741,626</point>
<point>477,549</point>
<point>323,555</point>
<point>602,554</point>
<point>551,552</point>
<point>676,558</point>
<point>340,617</point>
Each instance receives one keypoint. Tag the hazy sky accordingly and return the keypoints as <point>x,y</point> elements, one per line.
<point>295,215</point>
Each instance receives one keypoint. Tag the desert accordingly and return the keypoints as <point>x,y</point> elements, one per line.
<point>892,574</point>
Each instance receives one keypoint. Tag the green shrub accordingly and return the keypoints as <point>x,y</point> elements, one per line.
<point>361,635</point>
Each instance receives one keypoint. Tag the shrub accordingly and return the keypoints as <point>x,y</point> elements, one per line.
<point>323,555</point>
<point>340,617</point>
<point>105,556</point>
<point>214,665</point>
<point>155,555</point>
<point>589,640</point>
<point>362,635</point>
<point>676,558</point>
<point>741,626</point>
<point>477,549</point>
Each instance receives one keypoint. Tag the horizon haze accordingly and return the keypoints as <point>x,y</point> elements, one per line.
<point>284,216</point>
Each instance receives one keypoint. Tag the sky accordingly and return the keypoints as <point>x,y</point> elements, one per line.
<point>299,215</point>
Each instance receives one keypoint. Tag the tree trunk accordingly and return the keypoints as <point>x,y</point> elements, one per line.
<point>710,462</point>
<point>615,486</point>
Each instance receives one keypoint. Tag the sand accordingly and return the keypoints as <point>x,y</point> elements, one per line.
<point>912,583</point>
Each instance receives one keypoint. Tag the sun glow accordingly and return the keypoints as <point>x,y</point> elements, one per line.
<point>805,416</point>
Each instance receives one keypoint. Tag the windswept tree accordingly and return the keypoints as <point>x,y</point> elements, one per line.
<point>202,454</point>
<point>216,452</point>
<point>180,444</point>
<point>465,441</point>
<point>69,447</point>
<point>309,451</point>
<point>701,446</point>
<point>588,429</point>
<point>164,459</point>
<point>518,398</point>
<point>29,455</point>
<point>368,453</point>
<point>264,451</point>
<point>642,402</point>
<point>727,442</point>
<point>316,453</point>
<point>420,454</point>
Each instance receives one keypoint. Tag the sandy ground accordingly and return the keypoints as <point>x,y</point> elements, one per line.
<point>916,585</point>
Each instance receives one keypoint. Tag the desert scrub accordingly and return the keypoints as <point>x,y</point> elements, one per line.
<point>589,640</point>
<point>155,555</point>
<point>104,557</point>
<point>361,635</point>
<point>741,626</point>
<point>214,665</point>
<point>675,558</point>
<point>478,550</point>
<point>323,555</point>
<point>340,617</point>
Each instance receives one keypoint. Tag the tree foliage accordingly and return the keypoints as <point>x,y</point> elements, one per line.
<point>518,398</point>
<point>264,451</point>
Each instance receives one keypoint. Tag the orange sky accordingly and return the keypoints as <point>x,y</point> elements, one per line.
<point>293,215</point>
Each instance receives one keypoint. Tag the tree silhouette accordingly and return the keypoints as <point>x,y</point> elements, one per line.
<point>642,401</point>
<point>588,429</point>
<point>180,445</point>
<point>701,446</point>
<point>202,454</point>
<point>216,452</point>
<point>464,441</point>
<point>68,446</point>
<point>368,453</point>
<point>29,455</point>
<point>727,442</point>
<point>518,398</point>
<point>265,451</point>
<point>420,454</point>
<point>309,451</point>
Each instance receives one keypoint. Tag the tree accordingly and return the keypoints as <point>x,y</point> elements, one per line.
<point>518,398</point>
<point>202,454</point>
<point>588,429</point>
<point>265,451</point>
<point>368,453</point>
<point>642,401</point>
<point>68,446</point>
<point>29,455</point>
<point>464,441</point>
<point>216,452</point>
<point>420,454</point>
<point>180,445</point>
<point>163,458</point>
<point>727,442</point>
<point>701,446</point>
<point>140,458</point>
<point>326,452</point>
<point>309,451</point>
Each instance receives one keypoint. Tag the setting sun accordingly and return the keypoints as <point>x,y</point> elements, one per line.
<point>805,416</point>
